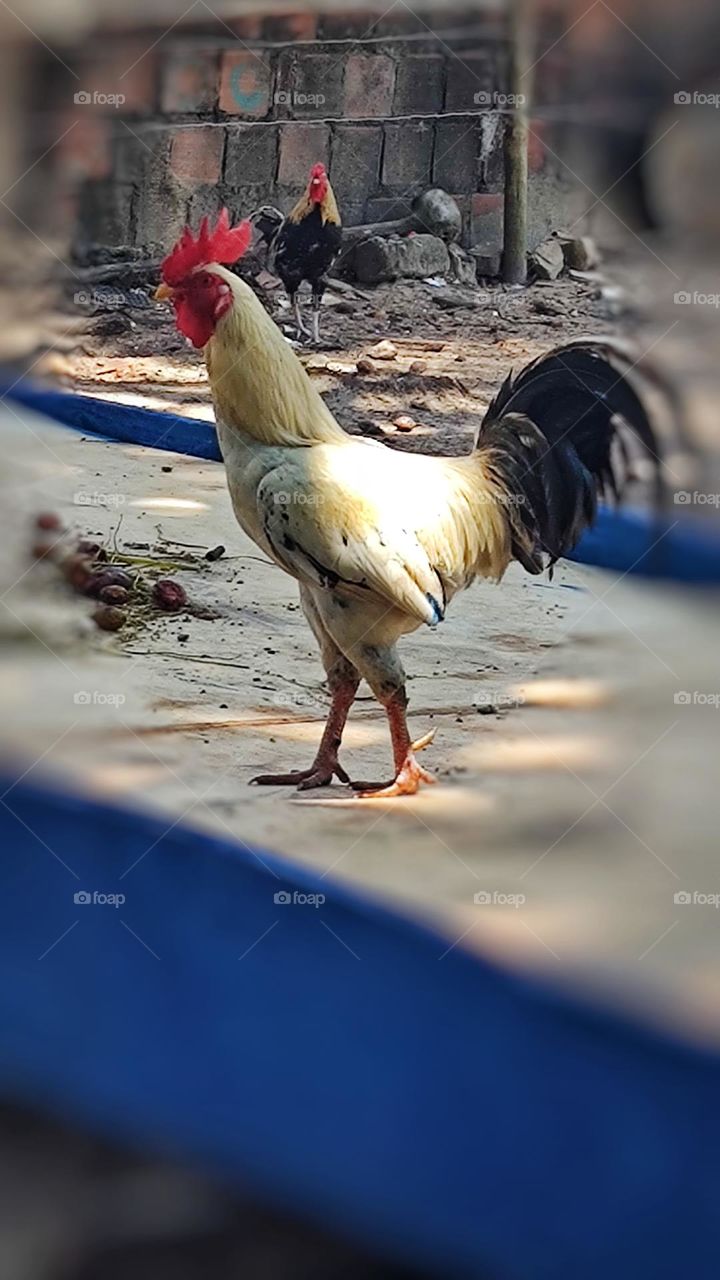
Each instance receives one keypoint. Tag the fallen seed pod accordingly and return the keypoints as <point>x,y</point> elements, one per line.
<point>114,594</point>
<point>78,572</point>
<point>93,549</point>
<point>169,595</point>
<point>48,520</point>
<point>41,550</point>
<point>110,577</point>
<point>109,618</point>
<point>214,553</point>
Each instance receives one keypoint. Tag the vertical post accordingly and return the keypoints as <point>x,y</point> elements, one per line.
<point>516,146</point>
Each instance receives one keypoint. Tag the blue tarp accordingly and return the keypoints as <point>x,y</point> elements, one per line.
<point>337,1059</point>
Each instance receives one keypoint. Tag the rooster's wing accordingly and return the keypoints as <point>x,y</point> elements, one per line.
<point>348,517</point>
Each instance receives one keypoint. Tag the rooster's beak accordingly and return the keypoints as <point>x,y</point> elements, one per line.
<point>163,293</point>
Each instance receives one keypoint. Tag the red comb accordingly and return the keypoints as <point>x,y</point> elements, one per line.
<point>221,244</point>
<point>317,171</point>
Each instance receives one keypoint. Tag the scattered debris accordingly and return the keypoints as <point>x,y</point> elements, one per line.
<point>113,578</point>
<point>365,366</point>
<point>417,366</point>
<point>404,422</point>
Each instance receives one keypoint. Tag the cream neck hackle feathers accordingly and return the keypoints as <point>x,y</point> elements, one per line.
<point>258,384</point>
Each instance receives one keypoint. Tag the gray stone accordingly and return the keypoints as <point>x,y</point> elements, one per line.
<point>413,257</point>
<point>437,213</point>
<point>487,265</point>
<point>547,261</point>
<point>581,254</point>
<point>462,265</point>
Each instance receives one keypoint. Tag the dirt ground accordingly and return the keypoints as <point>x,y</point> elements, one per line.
<point>454,344</point>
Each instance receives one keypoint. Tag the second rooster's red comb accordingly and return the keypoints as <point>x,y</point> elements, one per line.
<point>222,244</point>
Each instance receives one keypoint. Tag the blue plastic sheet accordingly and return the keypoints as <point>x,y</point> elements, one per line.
<point>338,1060</point>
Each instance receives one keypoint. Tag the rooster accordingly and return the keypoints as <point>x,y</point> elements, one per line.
<point>380,541</point>
<point>304,245</point>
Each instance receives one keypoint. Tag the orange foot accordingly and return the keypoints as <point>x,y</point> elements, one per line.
<point>320,774</point>
<point>409,777</point>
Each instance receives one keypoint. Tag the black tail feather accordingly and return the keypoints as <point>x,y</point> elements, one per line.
<point>557,438</point>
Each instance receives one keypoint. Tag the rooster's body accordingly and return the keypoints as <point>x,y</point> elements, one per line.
<point>381,541</point>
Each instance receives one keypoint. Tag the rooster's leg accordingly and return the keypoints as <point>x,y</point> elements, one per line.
<point>344,681</point>
<point>295,303</point>
<point>408,773</point>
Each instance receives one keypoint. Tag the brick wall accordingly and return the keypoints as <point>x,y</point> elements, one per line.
<point>208,120</point>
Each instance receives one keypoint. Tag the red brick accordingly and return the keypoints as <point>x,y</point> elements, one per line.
<point>247,28</point>
<point>486,222</point>
<point>129,69</point>
<point>291,26</point>
<point>189,82</point>
<point>86,148</point>
<point>537,154</point>
<point>369,85</point>
<point>245,85</point>
<point>301,146</point>
<point>482,204</point>
<point>196,155</point>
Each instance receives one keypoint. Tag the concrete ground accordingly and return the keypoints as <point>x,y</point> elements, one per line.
<point>577,796</point>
